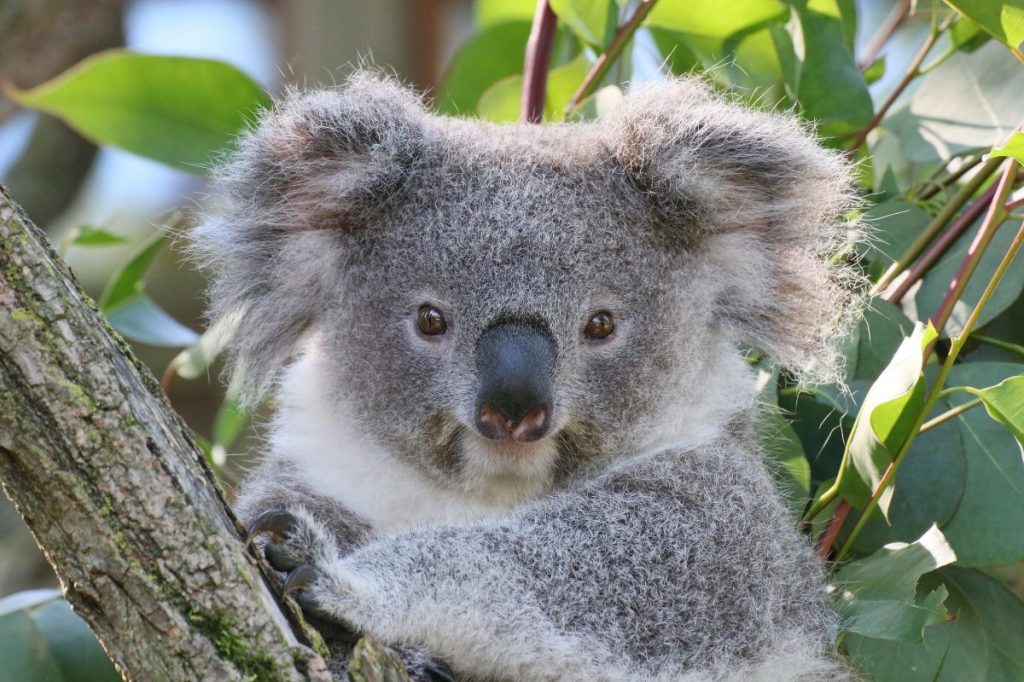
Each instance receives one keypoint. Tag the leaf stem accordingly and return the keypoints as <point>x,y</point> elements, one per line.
<point>538,58</point>
<point>949,414</point>
<point>936,225</point>
<point>999,343</point>
<point>600,68</point>
<point>932,188</point>
<point>913,71</point>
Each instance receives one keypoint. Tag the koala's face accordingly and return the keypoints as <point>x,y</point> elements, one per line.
<point>522,302</point>
<point>515,310</point>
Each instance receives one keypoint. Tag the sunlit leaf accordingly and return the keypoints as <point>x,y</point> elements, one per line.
<point>705,17</point>
<point>1014,148</point>
<point>177,110</point>
<point>489,56</point>
<point>88,235</point>
<point>501,103</point>
<point>888,413</point>
<point>1004,19</point>
<point>491,12</point>
<point>876,598</point>
<point>967,36</point>
<point>1005,404</point>
<point>592,20</point>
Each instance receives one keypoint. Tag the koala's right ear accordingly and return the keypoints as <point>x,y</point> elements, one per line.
<point>315,167</point>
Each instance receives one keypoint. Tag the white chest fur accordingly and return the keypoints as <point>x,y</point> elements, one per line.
<point>311,432</point>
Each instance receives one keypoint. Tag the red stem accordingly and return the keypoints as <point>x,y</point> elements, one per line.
<point>538,58</point>
<point>835,524</point>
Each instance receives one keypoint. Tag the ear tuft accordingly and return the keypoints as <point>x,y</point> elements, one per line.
<point>318,166</point>
<point>765,207</point>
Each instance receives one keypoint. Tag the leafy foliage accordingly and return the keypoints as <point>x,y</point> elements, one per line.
<point>904,433</point>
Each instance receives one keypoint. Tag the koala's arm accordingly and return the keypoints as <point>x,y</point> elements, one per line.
<point>676,563</point>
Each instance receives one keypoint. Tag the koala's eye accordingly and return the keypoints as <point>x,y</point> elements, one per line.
<point>431,321</point>
<point>599,326</point>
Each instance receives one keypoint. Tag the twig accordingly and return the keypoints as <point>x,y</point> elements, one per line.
<point>949,414</point>
<point>933,188</point>
<point>604,62</point>
<point>993,219</point>
<point>538,58</point>
<point>893,21</point>
<point>970,262</point>
<point>941,245</point>
<point>913,71</point>
<point>835,524</point>
<point>937,223</point>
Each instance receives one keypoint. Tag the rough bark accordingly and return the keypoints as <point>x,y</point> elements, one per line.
<point>118,495</point>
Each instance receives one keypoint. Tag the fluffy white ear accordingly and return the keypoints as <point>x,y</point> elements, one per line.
<point>318,166</point>
<point>765,206</point>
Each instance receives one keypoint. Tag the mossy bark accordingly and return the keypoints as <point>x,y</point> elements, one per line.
<point>118,495</point>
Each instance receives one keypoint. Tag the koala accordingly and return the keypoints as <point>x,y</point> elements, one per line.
<point>516,432</point>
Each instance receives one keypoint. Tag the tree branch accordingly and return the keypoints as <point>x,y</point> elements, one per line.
<point>538,58</point>
<point>118,495</point>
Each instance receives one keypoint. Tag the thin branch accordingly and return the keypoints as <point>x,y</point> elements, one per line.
<point>949,414</point>
<point>538,58</point>
<point>913,71</point>
<point>604,62</point>
<point>893,21</point>
<point>936,225</point>
<point>993,220</point>
<point>835,524</point>
<point>933,188</point>
<point>941,245</point>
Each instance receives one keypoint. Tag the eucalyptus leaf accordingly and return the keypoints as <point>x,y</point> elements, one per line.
<point>785,457</point>
<point>490,12</point>
<point>888,414</point>
<point>1003,19</point>
<point>180,111</point>
<point>875,596</point>
<point>982,640</point>
<point>88,235</point>
<point>127,282</point>
<point>41,638</point>
<point>487,57</point>
<point>1005,404</point>
<point>1013,148</point>
<point>501,103</point>
<point>986,528</point>
<point>141,319</point>
<point>706,18</point>
<point>594,21</point>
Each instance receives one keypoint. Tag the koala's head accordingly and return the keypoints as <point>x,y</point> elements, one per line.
<point>527,300</point>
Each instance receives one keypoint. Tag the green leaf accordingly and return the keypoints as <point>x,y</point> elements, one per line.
<point>820,69</point>
<point>491,12</point>
<point>141,319</point>
<point>984,640</point>
<point>875,71</point>
<point>1005,404</point>
<point>785,457</point>
<point>127,282</point>
<point>986,528</point>
<point>501,103</point>
<point>594,21</point>
<point>935,284</point>
<point>1004,19</point>
<point>705,18</point>
<point>42,639</point>
<point>1014,148</point>
<point>888,414</point>
<point>87,235</point>
<point>966,36</point>
<point>178,110</point>
<point>875,597</point>
<point>489,56</point>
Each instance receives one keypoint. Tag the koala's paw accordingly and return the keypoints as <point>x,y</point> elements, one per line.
<point>291,538</point>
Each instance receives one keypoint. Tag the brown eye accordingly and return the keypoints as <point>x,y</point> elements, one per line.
<point>599,326</point>
<point>430,320</point>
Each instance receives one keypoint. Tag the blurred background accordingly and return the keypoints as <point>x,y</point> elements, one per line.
<point>65,182</point>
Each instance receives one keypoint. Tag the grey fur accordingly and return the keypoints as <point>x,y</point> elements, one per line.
<point>644,539</point>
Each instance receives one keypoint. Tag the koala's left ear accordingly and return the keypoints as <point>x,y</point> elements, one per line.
<point>762,206</point>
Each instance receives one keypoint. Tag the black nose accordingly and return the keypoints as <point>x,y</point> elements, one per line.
<point>515,363</point>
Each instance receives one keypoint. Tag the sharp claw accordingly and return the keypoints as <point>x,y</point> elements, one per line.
<point>438,671</point>
<point>299,579</point>
<point>276,523</point>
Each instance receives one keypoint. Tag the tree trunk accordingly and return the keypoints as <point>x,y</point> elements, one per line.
<point>118,495</point>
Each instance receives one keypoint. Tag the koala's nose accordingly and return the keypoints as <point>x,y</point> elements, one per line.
<point>515,363</point>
